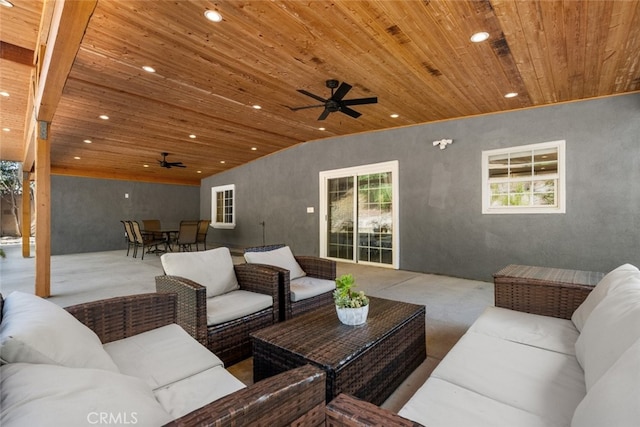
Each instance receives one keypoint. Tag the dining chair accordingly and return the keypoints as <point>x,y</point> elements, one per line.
<point>130,238</point>
<point>203,228</point>
<point>145,240</point>
<point>187,235</point>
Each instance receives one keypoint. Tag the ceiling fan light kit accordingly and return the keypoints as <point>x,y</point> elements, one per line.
<point>336,102</point>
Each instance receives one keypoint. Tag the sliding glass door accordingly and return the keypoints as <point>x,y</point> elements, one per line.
<point>359,209</point>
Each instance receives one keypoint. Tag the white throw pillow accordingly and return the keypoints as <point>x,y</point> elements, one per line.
<point>34,330</point>
<point>603,288</point>
<point>212,269</point>
<point>615,399</point>
<point>50,395</point>
<point>612,327</point>
<point>281,257</point>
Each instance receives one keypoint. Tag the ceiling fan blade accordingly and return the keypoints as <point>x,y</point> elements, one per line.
<point>179,166</point>
<point>303,108</point>
<point>341,92</point>
<point>360,101</point>
<point>316,97</point>
<point>324,114</point>
<point>349,112</point>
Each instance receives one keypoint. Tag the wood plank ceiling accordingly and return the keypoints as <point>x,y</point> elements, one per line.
<point>415,56</point>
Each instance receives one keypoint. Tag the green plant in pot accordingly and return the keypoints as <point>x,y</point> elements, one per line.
<point>352,307</point>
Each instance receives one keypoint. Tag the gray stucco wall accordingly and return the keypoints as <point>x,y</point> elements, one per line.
<point>442,228</point>
<point>86,212</point>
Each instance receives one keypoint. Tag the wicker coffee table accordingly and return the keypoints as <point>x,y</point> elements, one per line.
<point>367,361</point>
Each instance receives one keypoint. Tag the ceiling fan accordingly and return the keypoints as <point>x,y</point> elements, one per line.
<point>169,165</point>
<point>336,101</point>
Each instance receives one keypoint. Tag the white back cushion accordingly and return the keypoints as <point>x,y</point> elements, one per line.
<point>50,395</point>
<point>614,400</point>
<point>34,330</point>
<point>612,327</point>
<point>281,257</point>
<point>212,269</point>
<point>602,289</point>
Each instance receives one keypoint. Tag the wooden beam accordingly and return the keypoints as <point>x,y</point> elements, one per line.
<point>68,25</point>
<point>25,226</point>
<point>16,54</point>
<point>43,211</point>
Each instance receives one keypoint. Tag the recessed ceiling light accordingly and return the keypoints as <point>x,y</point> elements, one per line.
<point>6,3</point>
<point>222,161</point>
<point>322,128</point>
<point>198,171</point>
<point>192,136</point>
<point>394,116</point>
<point>511,95</point>
<point>148,69</point>
<point>145,166</point>
<point>479,37</point>
<point>254,148</point>
<point>87,141</point>
<point>77,158</point>
<point>257,107</point>
<point>104,117</point>
<point>6,130</point>
<point>212,15</point>
<point>3,93</point>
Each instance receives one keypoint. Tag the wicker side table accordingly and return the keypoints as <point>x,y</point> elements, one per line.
<point>546,291</point>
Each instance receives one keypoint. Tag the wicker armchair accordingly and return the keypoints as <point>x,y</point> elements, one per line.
<point>296,396</point>
<point>313,266</point>
<point>230,340</point>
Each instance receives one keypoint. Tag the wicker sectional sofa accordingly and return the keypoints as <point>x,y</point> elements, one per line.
<point>577,367</point>
<point>124,361</point>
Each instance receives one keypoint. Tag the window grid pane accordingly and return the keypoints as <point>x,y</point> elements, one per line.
<point>524,178</point>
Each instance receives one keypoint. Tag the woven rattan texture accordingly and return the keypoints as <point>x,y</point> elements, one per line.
<point>368,361</point>
<point>348,411</point>
<point>230,341</point>
<point>313,267</point>
<point>293,398</point>
<point>546,291</point>
<point>121,317</point>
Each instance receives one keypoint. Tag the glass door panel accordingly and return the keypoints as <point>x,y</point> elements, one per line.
<point>340,218</point>
<point>375,218</point>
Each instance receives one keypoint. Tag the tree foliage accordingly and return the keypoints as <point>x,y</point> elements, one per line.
<point>11,186</point>
<point>10,182</point>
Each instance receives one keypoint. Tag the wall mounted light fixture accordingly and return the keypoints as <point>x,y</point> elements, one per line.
<point>443,143</point>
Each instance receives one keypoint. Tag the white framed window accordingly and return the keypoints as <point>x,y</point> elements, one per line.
<point>525,179</point>
<point>223,202</point>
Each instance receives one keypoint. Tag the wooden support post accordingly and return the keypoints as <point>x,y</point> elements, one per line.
<point>25,226</point>
<point>43,211</point>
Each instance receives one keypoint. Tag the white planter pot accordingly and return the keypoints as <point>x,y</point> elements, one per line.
<point>353,316</point>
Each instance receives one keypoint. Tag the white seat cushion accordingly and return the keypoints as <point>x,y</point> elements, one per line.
<point>608,284</point>
<point>212,269</point>
<point>612,327</point>
<point>161,356</point>
<point>549,333</point>
<point>307,287</point>
<point>34,330</point>
<point>281,257</point>
<point>441,403</point>
<point>193,392</point>
<point>614,400</point>
<point>234,305</point>
<point>542,382</point>
<point>52,395</point>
